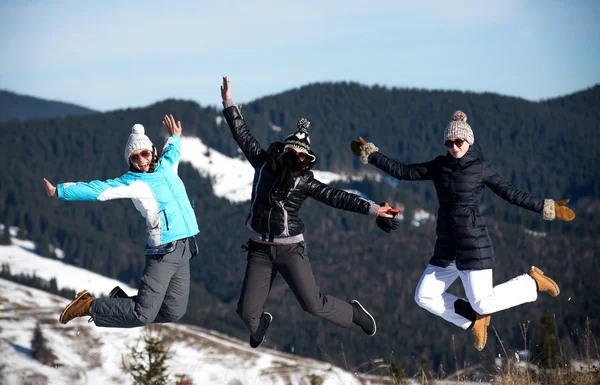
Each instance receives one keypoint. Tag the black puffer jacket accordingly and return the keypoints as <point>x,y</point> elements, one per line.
<point>273,214</point>
<point>462,235</point>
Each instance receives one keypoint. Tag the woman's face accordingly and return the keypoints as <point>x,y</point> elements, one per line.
<point>457,147</point>
<point>301,155</point>
<point>141,159</point>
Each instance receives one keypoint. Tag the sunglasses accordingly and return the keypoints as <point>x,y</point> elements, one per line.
<point>450,143</point>
<point>140,155</point>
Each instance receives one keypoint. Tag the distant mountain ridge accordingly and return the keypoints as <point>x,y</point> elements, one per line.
<point>14,106</point>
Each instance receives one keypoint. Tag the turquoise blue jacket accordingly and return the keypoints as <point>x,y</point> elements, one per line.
<point>160,196</point>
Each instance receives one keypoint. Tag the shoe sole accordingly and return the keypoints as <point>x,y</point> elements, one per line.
<point>484,342</point>
<point>488,320</point>
<point>550,280</point>
<point>79,295</point>
<point>265,335</point>
<point>370,316</point>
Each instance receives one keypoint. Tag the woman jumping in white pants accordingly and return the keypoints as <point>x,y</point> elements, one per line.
<point>463,248</point>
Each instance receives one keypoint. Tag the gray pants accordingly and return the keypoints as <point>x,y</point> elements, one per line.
<point>162,297</point>
<point>264,262</point>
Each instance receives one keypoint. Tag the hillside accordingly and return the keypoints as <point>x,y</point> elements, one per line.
<point>22,107</point>
<point>548,150</point>
<point>92,354</point>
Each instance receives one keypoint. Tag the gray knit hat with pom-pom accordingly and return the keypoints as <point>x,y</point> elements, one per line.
<point>459,128</point>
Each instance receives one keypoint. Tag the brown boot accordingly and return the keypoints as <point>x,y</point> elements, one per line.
<point>544,283</point>
<point>80,307</point>
<point>479,329</point>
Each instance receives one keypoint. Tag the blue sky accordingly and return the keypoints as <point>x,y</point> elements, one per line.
<point>115,54</point>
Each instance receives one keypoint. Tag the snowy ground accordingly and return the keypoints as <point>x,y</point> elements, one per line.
<point>90,355</point>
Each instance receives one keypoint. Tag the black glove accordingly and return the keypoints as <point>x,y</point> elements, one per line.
<point>386,224</point>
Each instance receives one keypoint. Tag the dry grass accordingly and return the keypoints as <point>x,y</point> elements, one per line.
<point>566,372</point>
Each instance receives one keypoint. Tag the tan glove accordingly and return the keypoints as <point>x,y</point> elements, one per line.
<point>562,211</point>
<point>357,145</point>
<point>362,149</point>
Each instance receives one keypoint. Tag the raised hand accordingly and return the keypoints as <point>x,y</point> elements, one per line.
<point>225,90</point>
<point>50,188</point>
<point>562,211</point>
<point>171,126</point>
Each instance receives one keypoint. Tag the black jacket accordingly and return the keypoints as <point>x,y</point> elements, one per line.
<point>273,214</point>
<point>462,235</point>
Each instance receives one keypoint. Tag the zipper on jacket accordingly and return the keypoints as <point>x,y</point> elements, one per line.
<point>166,220</point>
<point>473,220</point>
<point>270,208</point>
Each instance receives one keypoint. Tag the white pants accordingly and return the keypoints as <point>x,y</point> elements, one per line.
<point>482,295</point>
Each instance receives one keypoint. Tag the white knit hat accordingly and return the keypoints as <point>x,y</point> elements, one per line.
<point>136,141</point>
<point>459,128</point>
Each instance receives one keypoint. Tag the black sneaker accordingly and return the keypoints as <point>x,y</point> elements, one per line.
<point>363,318</point>
<point>265,321</point>
<point>117,292</point>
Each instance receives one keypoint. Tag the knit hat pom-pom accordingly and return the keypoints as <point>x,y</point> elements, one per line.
<point>459,116</point>
<point>303,124</point>
<point>137,129</point>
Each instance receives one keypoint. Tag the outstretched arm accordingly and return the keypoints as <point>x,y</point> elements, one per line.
<point>344,200</point>
<point>547,207</point>
<point>90,191</point>
<point>241,134</point>
<point>369,153</point>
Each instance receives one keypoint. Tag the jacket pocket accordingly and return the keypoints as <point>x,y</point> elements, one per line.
<point>473,217</point>
<point>164,213</point>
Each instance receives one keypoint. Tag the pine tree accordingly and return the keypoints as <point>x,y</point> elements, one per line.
<point>39,348</point>
<point>148,364</point>
<point>548,341</point>
<point>5,236</point>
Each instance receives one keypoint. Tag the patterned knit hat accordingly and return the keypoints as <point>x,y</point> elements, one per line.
<point>299,140</point>
<point>136,141</point>
<point>459,128</point>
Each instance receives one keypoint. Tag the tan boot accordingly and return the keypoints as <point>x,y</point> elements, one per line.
<point>80,307</point>
<point>544,283</point>
<point>479,329</point>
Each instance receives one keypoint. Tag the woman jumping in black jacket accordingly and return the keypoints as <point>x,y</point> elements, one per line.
<point>282,181</point>
<point>463,248</point>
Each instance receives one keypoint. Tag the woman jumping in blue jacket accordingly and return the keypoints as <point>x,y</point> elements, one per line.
<point>160,196</point>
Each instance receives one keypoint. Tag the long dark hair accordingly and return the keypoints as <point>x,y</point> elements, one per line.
<point>287,166</point>
<point>153,162</point>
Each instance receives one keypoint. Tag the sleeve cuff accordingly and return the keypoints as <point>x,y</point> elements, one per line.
<point>373,208</point>
<point>549,211</point>
<point>366,151</point>
<point>228,103</point>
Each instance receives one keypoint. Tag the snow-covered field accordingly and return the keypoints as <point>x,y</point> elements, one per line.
<point>90,355</point>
